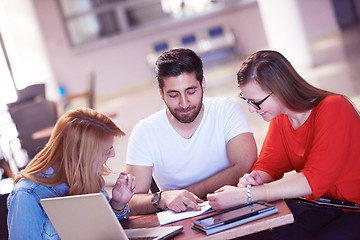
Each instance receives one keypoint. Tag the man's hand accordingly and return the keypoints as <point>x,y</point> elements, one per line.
<point>179,200</point>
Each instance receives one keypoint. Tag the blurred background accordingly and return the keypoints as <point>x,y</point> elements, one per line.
<point>58,55</point>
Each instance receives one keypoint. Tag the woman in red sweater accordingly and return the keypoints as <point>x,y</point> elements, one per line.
<point>312,131</point>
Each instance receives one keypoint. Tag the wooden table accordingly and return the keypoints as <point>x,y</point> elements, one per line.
<point>43,133</point>
<point>282,218</point>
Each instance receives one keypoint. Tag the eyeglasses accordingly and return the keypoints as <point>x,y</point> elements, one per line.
<point>255,105</point>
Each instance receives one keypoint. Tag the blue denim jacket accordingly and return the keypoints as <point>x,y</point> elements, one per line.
<point>26,218</point>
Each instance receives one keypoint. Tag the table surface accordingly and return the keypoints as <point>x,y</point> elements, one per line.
<point>43,133</point>
<point>283,217</point>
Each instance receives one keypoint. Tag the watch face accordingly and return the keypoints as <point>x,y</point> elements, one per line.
<point>155,199</point>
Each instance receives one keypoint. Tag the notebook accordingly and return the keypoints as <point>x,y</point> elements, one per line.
<point>90,216</point>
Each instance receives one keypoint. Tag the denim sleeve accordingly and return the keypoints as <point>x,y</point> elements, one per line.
<point>121,216</point>
<point>118,216</point>
<point>25,216</point>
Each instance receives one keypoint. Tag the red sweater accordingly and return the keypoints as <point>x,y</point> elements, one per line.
<point>326,148</point>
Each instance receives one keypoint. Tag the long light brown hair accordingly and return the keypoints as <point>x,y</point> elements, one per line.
<point>272,71</point>
<point>74,151</point>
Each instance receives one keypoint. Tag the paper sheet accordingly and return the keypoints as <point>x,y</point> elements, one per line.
<point>170,216</point>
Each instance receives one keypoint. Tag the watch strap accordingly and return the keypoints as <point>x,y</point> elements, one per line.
<point>155,200</point>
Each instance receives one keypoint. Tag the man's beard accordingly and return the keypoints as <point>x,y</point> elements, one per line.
<point>186,118</point>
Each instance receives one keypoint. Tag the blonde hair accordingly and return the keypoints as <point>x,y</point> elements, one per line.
<point>74,151</point>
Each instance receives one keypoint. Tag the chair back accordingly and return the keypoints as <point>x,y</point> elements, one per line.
<point>154,187</point>
<point>91,88</point>
<point>4,234</point>
<point>88,97</point>
<point>30,117</point>
<point>30,93</point>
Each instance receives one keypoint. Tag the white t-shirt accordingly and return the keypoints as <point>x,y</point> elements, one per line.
<point>178,162</point>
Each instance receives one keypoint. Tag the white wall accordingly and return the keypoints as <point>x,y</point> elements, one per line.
<point>318,16</point>
<point>25,46</point>
<point>121,63</point>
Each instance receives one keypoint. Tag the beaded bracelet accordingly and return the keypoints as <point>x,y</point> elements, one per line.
<point>248,190</point>
<point>120,212</point>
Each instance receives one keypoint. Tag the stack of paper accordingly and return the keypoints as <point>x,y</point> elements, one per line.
<point>170,216</point>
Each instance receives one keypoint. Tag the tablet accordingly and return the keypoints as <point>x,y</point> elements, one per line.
<point>234,217</point>
<point>330,202</point>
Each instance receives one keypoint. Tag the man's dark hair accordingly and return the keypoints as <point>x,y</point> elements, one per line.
<point>177,61</point>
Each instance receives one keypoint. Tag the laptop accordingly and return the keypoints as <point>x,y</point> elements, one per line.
<point>90,216</point>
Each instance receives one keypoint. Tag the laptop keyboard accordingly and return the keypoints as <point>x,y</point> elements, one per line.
<point>142,238</point>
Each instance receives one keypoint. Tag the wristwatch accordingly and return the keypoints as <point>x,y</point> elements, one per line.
<point>155,200</point>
